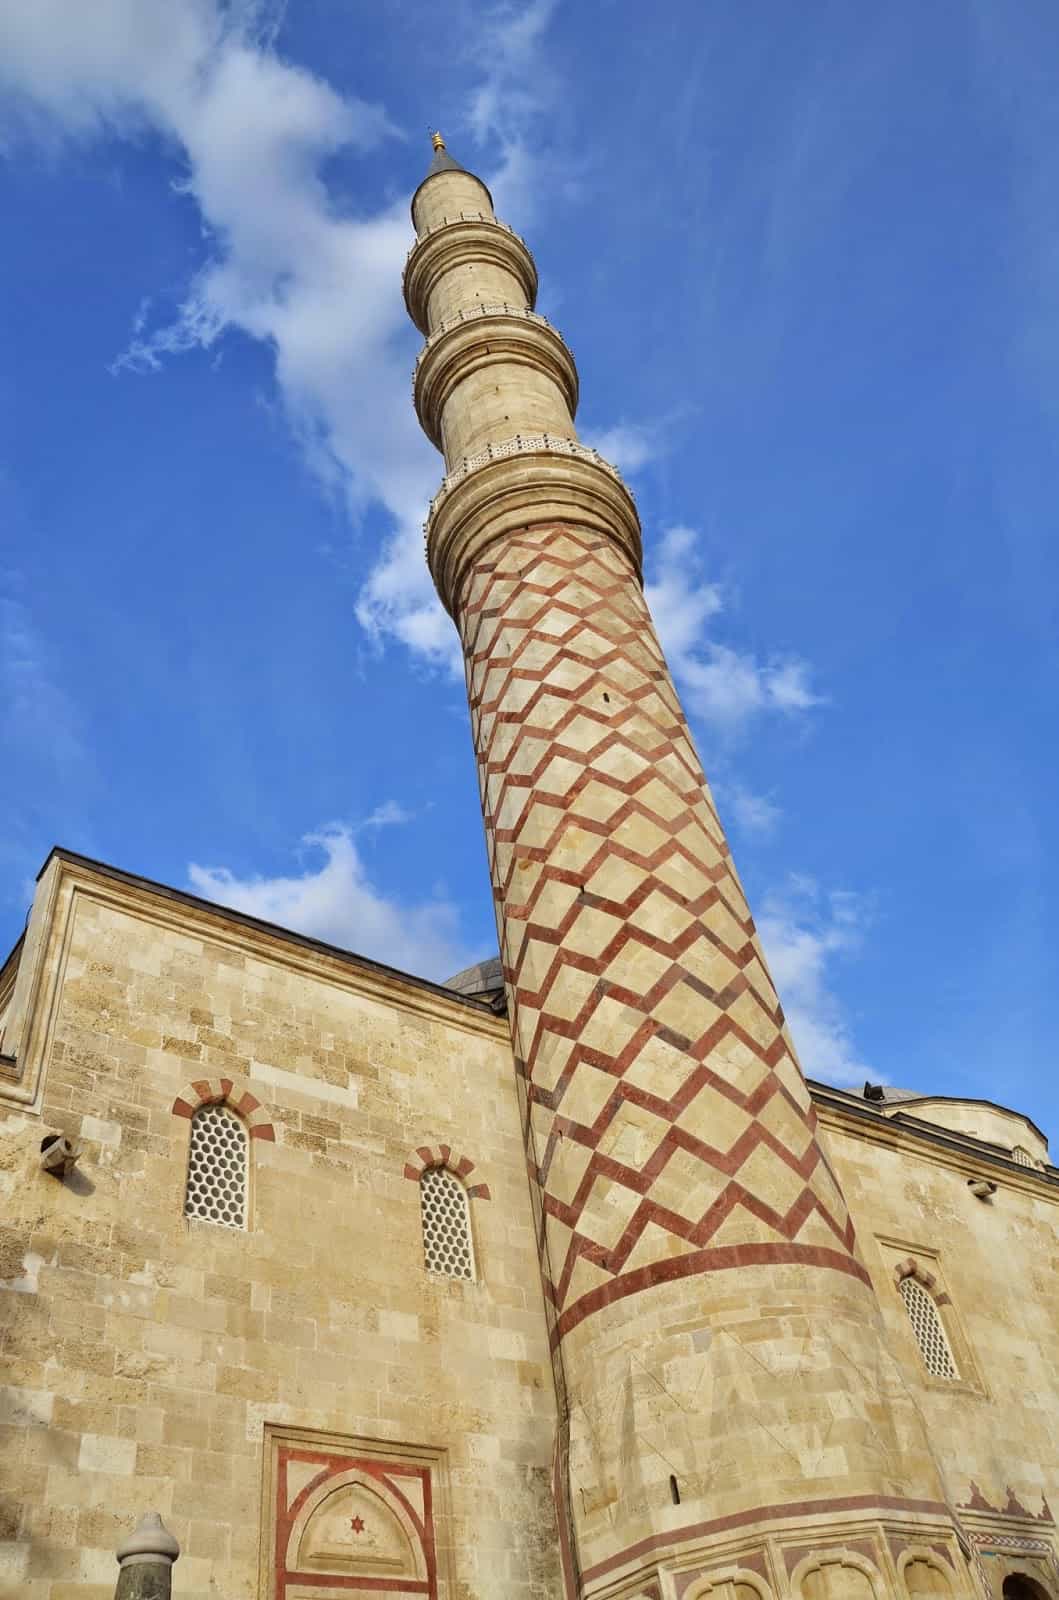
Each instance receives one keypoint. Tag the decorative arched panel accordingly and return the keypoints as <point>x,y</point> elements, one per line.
<point>351,1522</point>
<point>836,1575</point>
<point>355,1526</point>
<point>924,1574</point>
<point>732,1584</point>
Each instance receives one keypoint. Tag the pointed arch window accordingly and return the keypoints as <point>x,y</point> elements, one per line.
<point>928,1328</point>
<point>217,1167</point>
<point>447,1245</point>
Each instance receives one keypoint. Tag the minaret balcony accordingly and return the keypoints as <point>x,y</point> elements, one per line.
<point>501,336</point>
<point>467,240</point>
<point>515,483</point>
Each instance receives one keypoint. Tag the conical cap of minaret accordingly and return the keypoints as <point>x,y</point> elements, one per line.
<point>447,190</point>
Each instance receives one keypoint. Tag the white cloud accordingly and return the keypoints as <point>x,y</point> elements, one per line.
<point>512,95</point>
<point>515,90</point>
<point>39,722</point>
<point>338,902</point>
<point>722,686</point>
<point>627,445</point>
<point>284,265</point>
<point>754,813</point>
<point>804,932</point>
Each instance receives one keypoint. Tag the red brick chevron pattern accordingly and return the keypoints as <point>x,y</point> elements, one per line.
<point>668,1124</point>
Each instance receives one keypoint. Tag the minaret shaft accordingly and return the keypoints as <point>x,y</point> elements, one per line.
<point>718,1344</point>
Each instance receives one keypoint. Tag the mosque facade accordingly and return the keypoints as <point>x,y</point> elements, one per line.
<point>555,1282</point>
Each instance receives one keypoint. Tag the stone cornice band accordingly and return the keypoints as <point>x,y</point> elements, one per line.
<point>534,485</point>
<point>466,242</point>
<point>466,346</point>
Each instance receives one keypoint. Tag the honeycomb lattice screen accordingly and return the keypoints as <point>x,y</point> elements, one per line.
<point>446,1224</point>
<point>217,1167</point>
<point>926,1325</point>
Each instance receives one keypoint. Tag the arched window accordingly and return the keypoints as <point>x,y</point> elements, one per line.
<point>1022,1157</point>
<point>446,1216</point>
<point>928,1328</point>
<point>217,1167</point>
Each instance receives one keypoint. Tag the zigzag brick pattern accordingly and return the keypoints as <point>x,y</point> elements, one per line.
<point>668,1123</point>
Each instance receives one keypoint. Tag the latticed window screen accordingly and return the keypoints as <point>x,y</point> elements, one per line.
<point>217,1167</point>
<point>926,1325</point>
<point>446,1224</point>
<point>1023,1157</point>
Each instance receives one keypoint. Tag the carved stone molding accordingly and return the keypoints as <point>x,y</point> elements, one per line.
<point>470,241</point>
<point>511,492</point>
<point>467,345</point>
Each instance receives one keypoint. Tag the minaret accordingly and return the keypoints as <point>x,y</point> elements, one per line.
<point>722,1379</point>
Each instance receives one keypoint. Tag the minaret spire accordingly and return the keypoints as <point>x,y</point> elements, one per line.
<point>719,1358</point>
<point>442,161</point>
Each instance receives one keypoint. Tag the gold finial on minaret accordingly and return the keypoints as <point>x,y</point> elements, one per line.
<point>437,141</point>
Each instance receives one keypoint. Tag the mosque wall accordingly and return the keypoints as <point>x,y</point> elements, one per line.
<point>299,1396</point>
<point>989,1265</point>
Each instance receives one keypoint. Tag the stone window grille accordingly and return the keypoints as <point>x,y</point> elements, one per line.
<point>1022,1157</point>
<point>927,1326</point>
<point>217,1167</point>
<point>446,1214</point>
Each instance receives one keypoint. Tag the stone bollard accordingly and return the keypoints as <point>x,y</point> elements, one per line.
<point>146,1560</point>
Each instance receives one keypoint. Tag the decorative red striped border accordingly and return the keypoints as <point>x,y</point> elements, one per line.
<point>387,1477</point>
<point>878,1504</point>
<point>718,1258</point>
<point>214,1091</point>
<point>422,1159</point>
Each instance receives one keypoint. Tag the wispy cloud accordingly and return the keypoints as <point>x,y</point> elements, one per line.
<point>47,752</point>
<point>337,901</point>
<point>39,723</point>
<point>722,686</point>
<point>629,446</point>
<point>283,264</point>
<point>806,933</point>
<point>754,813</point>
<point>515,89</point>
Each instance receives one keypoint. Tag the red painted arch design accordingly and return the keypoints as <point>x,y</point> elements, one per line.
<point>211,1091</point>
<point>424,1157</point>
<point>910,1268</point>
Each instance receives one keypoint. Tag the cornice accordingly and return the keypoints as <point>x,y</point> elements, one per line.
<point>946,1148</point>
<point>514,490</point>
<point>174,908</point>
<point>466,346</point>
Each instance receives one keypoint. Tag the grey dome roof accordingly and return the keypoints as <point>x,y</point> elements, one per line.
<point>484,978</point>
<point>892,1096</point>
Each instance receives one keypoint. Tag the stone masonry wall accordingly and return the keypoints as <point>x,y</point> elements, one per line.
<point>143,1354</point>
<point>995,1431</point>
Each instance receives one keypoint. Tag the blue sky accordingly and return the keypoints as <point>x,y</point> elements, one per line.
<point>806,257</point>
